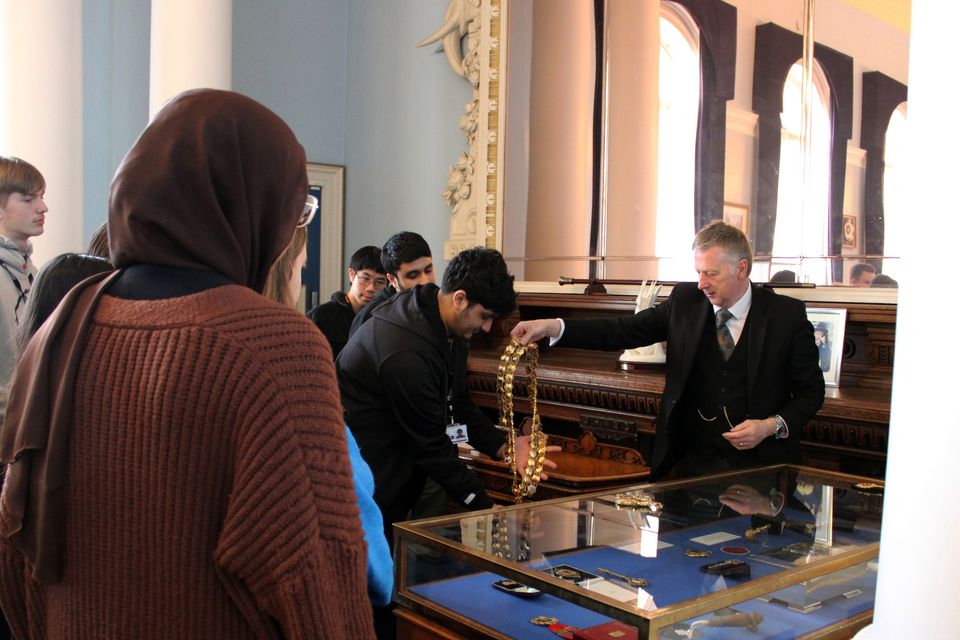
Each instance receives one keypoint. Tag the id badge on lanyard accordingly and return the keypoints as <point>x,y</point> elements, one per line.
<point>457,432</point>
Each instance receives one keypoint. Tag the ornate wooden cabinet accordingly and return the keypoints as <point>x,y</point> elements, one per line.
<point>585,391</point>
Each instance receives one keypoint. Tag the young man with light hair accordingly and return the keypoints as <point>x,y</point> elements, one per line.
<point>22,216</point>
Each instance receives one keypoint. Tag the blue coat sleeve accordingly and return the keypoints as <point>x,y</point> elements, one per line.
<point>379,561</point>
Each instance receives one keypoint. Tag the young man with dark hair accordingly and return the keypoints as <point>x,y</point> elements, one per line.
<point>22,215</point>
<point>862,274</point>
<point>407,262</point>
<point>403,384</point>
<point>334,317</point>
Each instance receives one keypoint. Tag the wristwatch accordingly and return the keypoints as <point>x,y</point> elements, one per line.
<point>780,431</point>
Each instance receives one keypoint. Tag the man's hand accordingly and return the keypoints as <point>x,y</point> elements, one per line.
<point>745,500</point>
<point>750,433</point>
<point>522,452</point>
<point>526,427</point>
<point>532,330</point>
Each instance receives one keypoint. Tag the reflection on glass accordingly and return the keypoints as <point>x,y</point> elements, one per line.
<point>895,189</point>
<point>803,194</point>
<point>560,237</point>
<point>679,111</point>
<point>652,548</point>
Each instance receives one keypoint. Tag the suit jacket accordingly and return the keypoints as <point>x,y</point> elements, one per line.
<point>783,364</point>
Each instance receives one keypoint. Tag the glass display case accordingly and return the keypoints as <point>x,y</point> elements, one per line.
<point>777,552</point>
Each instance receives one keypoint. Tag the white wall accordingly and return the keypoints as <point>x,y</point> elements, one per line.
<point>917,581</point>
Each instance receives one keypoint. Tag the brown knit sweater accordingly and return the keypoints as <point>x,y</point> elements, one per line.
<point>209,492</point>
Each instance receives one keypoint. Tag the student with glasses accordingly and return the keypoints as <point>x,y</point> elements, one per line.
<point>22,215</point>
<point>367,279</point>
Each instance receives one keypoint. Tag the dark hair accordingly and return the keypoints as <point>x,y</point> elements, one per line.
<point>367,257</point>
<point>52,283</point>
<point>784,275</point>
<point>859,268</point>
<point>483,275</point>
<point>405,246</point>
<point>883,280</point>
<point>99,243</point>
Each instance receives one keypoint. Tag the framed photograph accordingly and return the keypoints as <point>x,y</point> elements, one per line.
<point>737,215</point>
<point>849,232</point>
<point>324,269</point>
<point>828,330</point>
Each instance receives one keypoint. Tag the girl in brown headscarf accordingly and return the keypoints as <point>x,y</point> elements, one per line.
<point>175,442</point>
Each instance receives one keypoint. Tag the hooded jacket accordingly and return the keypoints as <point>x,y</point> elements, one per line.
<point>333,318</point>
<point>16,277</point>
<point>395,374</point>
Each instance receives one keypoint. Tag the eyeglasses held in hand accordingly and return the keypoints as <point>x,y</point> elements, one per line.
<point>309,210</point>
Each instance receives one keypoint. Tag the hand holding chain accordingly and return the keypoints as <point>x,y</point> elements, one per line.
<point>526,484</point>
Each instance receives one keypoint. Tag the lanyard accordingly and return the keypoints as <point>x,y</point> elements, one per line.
<point>21,294</point>
<point>450,419</point>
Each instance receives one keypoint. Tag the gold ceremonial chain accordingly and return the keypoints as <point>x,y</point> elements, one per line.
<point>637,501</point>
<point>753,534</point>
<point>500,539</point>
<point>525,485</point>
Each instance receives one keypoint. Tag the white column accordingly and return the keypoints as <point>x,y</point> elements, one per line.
<point>919,573</point>
<point>41,110</point>
<point>633,114</point>
<point>190,47</point>
<point>560,182</point>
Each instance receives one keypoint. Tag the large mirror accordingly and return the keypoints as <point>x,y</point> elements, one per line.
<point>606,131</point>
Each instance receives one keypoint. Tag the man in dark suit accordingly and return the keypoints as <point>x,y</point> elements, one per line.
<point>742,372</point>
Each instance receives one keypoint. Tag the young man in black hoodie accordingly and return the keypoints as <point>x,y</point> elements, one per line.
<point>407,262</point>
<point>403,385</point>
<point>335,316</point>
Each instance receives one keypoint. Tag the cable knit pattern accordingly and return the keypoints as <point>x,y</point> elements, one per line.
<point>210,493</point>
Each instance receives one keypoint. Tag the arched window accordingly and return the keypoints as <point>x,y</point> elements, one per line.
<point>803,194</point>
<point>895,189</point>
<point>676,162</point>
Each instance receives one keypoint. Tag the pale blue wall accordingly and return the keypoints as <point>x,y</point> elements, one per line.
<point>345,75</point>
<point>349,79</point>
<point>403,106</point>
<point>291,56</point>
<point>116,71</point>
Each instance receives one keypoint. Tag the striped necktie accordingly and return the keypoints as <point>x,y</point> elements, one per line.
<point>724,339</point>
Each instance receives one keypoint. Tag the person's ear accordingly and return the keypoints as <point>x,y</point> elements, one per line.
<point>460,301</point>
<point>392,279</point>
<point>351,274</point>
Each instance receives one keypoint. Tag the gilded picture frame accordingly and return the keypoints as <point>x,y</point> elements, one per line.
<point>737,215</point>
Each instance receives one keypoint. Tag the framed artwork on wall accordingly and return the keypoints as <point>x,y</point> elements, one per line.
<point>737,215</point>
<point>323,274</point>
<point>828,330</point>
<point>849,232</point>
